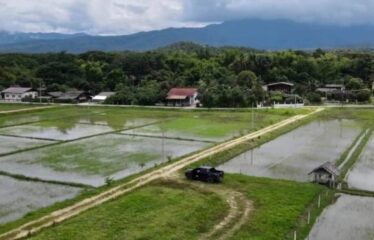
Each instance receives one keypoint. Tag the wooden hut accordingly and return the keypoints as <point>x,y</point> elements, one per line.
<point>325,174</point>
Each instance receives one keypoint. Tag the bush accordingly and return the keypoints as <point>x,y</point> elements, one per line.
<point>363,95</point>
<point>314,98</point>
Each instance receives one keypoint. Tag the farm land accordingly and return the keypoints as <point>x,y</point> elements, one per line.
<point>67,154</point>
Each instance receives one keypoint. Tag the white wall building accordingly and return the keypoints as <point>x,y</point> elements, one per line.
<point>16,94</point>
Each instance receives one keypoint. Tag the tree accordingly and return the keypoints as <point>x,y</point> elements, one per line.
<point>247,79</point>
<point>354,84</point>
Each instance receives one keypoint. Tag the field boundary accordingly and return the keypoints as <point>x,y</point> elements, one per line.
<point>86,204</point>
<point>25,109</point>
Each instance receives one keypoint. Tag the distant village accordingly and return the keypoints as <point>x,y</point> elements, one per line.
<point>278,94</point>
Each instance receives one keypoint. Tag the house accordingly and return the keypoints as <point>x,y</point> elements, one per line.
<point>325,174</point>
<point>73,96</point>
<point>101,97</point>
<point>16,94</point>
<point>54,95</point>
<point>330,88</point>
<point>182,97</point>
<point>284,87</point>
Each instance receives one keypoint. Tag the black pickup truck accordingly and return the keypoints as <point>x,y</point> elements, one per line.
<point>205,174</point>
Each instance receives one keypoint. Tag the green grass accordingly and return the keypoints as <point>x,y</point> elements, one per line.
<point>9,106</point>
<point>153,212</point>
<point>278,205</point>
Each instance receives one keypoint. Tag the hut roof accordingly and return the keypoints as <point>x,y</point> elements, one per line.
<point>328,167</point>
<point>16,90</point>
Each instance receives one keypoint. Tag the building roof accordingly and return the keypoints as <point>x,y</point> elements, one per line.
<point>70,95</point>
<point>328,167</point>
<point>334,86</point>
<point>55,94</point>
<point>16,90</point>
<point>280,83</point>
<point>103,96</point>
<point>181,92</point>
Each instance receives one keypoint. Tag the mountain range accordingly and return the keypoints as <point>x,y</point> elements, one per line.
<point>254,33</point>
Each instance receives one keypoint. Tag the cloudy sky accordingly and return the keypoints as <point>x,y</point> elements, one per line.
<point>129,16</point>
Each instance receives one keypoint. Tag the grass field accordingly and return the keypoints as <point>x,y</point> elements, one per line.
<point>161,212</point>
<point>154,212</point>
<point>9,107</point>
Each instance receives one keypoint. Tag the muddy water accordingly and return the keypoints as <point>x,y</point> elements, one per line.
<point>55,132</point>
<point>11,144</point>
<point>350,218</point>
<point>362,174</point>
<point>293,155</point>
<point>20,197</point>
<point>90,161</point>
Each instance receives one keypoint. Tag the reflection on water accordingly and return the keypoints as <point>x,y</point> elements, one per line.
<point>351,217</point>
<point>11,144</point>
<point>20,197</point>
<point>293,155</point>
<point>58,132</point>
<point>90,161</point>
<point>362,174</point>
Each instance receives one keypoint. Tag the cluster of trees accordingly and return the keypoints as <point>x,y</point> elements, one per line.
<point>226,77</point>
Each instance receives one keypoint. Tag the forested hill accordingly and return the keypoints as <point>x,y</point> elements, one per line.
<point>226,77</point>
<point>260,34</point>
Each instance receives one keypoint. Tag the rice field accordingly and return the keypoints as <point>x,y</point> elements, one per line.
<point>361,176</point>
<point>12,144</point>
<point>351,217</point>
<point>294,155</point>
<point>20,197</point>
<point>91,161</point>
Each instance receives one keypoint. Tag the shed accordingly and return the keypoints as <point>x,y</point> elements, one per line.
<point>182,97</point>
<point>325,174</point>
<point>101,97</point>
<point>284,87</point>
<point>73,96</point>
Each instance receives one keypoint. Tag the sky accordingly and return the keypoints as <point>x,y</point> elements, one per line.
<point>118,17</point>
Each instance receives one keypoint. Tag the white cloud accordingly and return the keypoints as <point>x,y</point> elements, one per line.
<point>340,12</point>
<point>129,16</point>
<point>93,16</point>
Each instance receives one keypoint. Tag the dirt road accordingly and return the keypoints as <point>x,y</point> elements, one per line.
<point>25,109</point>
<point>76,209</point>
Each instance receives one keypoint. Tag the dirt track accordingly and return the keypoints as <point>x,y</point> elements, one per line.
<point>25,109</point>
<point>76,209</point>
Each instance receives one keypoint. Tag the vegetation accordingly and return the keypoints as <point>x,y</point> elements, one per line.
<point>159,211</point>
<point>226,77</point>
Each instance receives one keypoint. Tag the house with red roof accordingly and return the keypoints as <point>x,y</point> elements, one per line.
<point>182,97</point>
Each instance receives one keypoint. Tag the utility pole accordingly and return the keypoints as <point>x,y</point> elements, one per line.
<point>252,127</point>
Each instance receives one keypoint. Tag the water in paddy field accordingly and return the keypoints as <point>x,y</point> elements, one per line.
<point>362,174</point>
<point>55,132</point>
<point>90,161</point>
<point>20,197</point>
<point>350,218</point>
<point>11,144</point>
<point>295,154</point>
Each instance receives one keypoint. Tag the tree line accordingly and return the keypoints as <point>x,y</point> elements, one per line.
<point>226,77</point>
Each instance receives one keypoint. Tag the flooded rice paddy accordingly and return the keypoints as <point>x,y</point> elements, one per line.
<point>12,144</point>
<point>362,174</point>
<point>58,131</point>
<point>351,217</point>
<point>293,155</point>
<point>20,197</point>
<point>90,161</point>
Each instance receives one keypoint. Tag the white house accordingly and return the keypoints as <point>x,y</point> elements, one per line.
<point>101,97</point>
<point>16,94</point>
